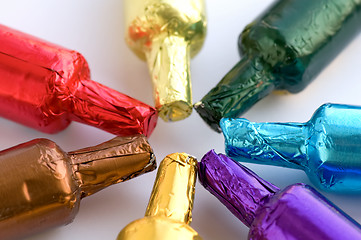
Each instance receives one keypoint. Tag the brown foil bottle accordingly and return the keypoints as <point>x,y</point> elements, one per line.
<point>41,185</point>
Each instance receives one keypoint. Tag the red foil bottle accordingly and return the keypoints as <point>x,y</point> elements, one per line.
<point>45,86</point>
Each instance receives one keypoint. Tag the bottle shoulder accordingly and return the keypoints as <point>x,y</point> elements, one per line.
<point>160,228</point>
<point>153,20</point>
<point>300,212</point>
<point>333,144</point>
<point>298,39</point>
<point>38,183</point>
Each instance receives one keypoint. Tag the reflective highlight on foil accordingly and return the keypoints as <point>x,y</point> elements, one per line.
<point>327,147</point>
<point>115,161</point>
<point>167,33</point>
<point>45,86</point>
<point>239,189</point>
<point>170,206</point>
<point>285,48</point>
<point>296,212</point>
<point>41,185</point>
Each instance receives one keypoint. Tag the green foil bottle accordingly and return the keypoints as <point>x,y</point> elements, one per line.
<point>285,48</point>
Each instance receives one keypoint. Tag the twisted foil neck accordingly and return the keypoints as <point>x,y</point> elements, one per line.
<point>97,105</point>
<point>173,191</point>
<point>169,66</point>
<point>167,34</point>
<point>280,144</point>
<point>237,187</point>
<point>245,84</point>
<point>115,161</point>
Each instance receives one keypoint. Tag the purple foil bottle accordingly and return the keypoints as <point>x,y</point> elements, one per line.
<point>296,212</point>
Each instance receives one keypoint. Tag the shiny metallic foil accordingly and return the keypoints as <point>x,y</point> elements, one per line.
<point>284,48</point>
<point>45,86</point>
<point>170,206</point>
<point>167,33</point>
<point>327,147</point>
<point>296,212</point>
<point>41,185</point>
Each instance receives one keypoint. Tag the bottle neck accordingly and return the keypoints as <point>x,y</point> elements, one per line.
<point>237,187</point>
<point>248,82</point>
<point>115,161</point>
<point>173,191</point>
<point>280,144</point>
<point>94,104</point>
<point>168,61</point>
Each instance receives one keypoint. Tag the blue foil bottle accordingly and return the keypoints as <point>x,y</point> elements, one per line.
<point>327,147</point>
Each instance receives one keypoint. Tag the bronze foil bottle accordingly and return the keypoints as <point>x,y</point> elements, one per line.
<point>170,206</point>
<point>41,185</point>
<point>167,33</point>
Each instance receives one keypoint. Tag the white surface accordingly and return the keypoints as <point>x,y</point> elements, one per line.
<point>95,29</point>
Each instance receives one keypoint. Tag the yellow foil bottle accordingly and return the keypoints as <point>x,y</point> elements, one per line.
<point>167,33</point>
<point>41,185</point>
<point>170,206</point>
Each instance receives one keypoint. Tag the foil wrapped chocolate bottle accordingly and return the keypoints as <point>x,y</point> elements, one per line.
<point>41,185</point>
<point>327,147</point>
<point>167,33</point>
<point>296,212</point>
<point>169,211</point>
<point>45,86</point>
<point>285,48</point>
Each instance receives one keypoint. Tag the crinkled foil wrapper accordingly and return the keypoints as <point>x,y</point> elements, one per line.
<point>41,185</point>
<point>238,188</point>
<point>280,144</point>
<point>297,212</point>
<point>327,147</point>
<point>300,212</point>
<point>45,86</point>
<point>285,48</point>
<point>170,206</point>
<point>167,33</point>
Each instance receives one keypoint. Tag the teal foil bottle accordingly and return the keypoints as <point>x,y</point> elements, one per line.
<point>285,48</point>
<point>327,147</point>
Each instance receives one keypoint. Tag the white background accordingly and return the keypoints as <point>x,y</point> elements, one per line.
<point>95,28</point>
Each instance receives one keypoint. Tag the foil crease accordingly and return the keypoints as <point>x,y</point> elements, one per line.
<point>280,144</point>
<point>296,212</point>
<point>300,212</point>
<point>170,206</point>
<point>115,161</point>
<point>45,86</point>
<point>238,188</point>
<point>167,33</point>
<point>327,147</point>
<point>285,48</point>
<point>41,185</point>
<point>37,189</point>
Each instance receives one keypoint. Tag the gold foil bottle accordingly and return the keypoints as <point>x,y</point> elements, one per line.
<point>170,206</point>
<point>41,185</point>
<point>167,33</point>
